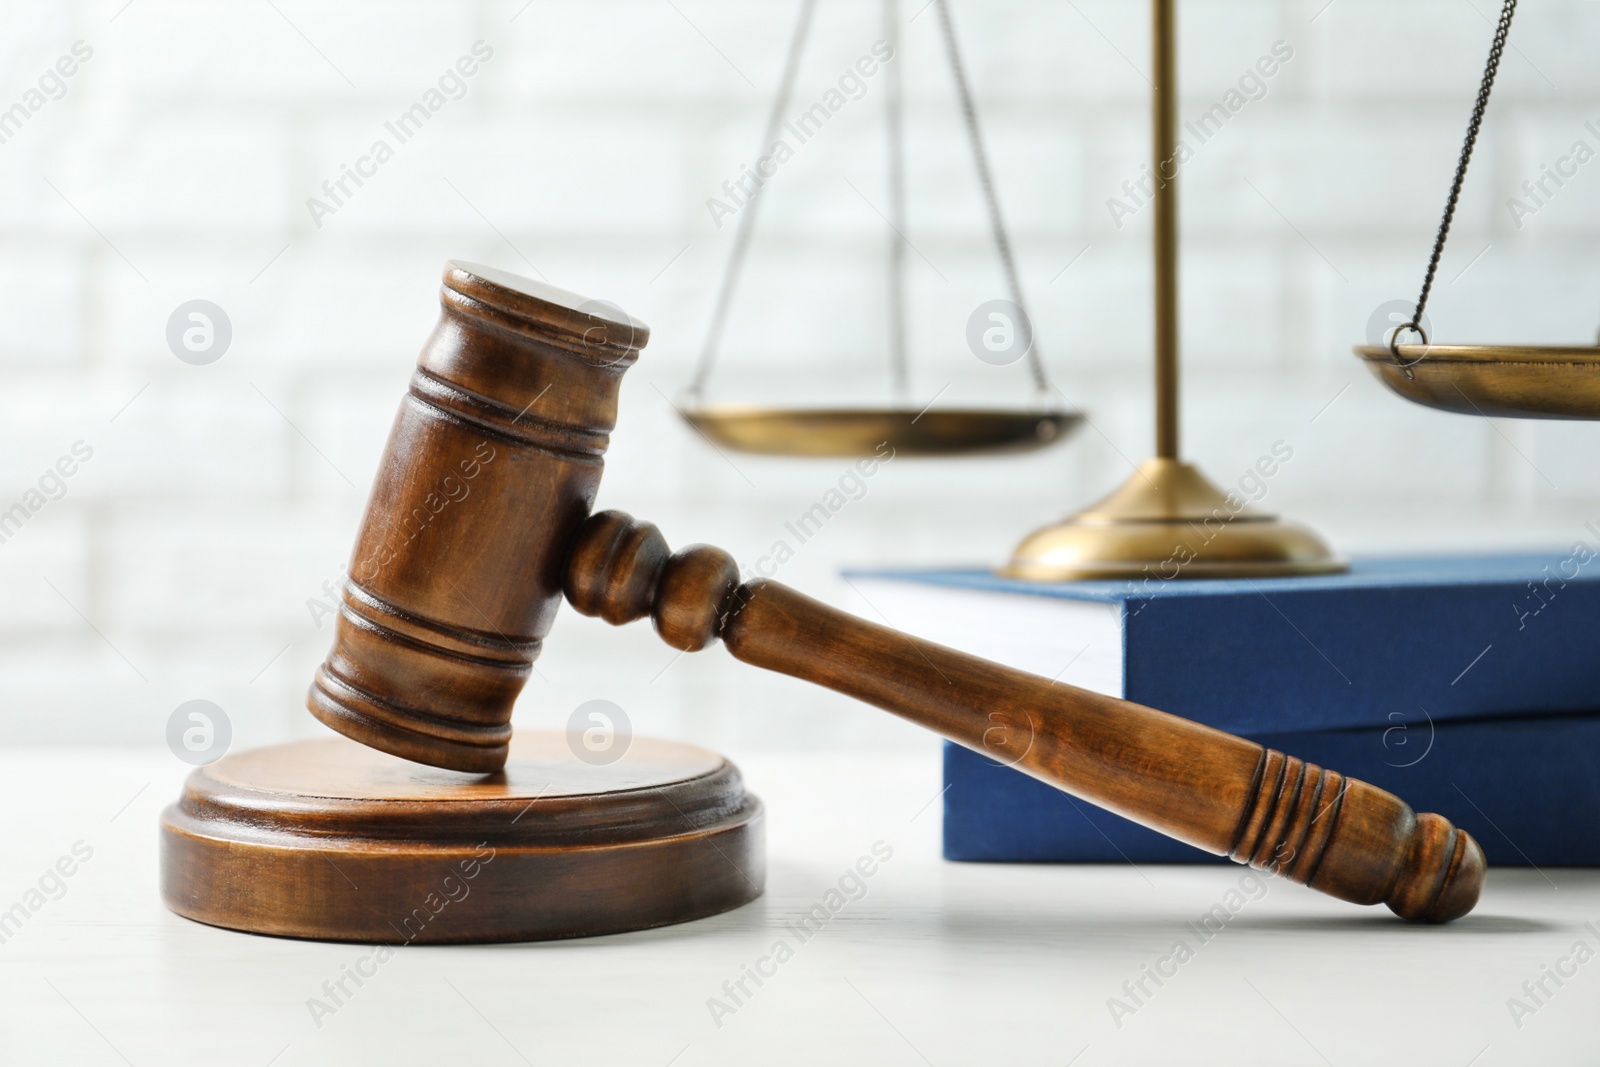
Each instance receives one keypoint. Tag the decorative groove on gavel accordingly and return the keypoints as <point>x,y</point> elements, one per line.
<point>1218,792</point>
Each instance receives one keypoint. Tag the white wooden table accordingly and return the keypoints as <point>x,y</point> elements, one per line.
<point>935,963</point>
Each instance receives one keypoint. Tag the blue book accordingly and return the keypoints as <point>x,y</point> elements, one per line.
<point>1528,788</point>
<point>1394,641</point>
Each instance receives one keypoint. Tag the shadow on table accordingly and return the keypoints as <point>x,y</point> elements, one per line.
<point>1025,922</point>
<point>1360,923</point>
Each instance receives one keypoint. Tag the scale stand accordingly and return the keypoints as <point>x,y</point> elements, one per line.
<point>1168,520</point>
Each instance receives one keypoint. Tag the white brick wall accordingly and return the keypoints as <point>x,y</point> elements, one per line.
<point>180,561</point>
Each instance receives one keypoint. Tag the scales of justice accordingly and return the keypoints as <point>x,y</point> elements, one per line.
<point>426,821</point>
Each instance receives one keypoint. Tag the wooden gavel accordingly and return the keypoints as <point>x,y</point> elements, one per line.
<point>480,520</point>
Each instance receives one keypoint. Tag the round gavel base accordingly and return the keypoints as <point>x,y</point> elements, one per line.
<point>332,840</point>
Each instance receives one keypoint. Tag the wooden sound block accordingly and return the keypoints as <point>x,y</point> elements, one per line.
<point>332,840</point>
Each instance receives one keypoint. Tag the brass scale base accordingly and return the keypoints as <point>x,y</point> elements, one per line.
<point>1168,521</point>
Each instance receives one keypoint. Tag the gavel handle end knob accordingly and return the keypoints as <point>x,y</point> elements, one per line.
<point>1354,841</point>
<point>1443,876</point>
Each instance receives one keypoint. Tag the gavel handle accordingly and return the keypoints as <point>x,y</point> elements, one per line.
<point>1210,789</point>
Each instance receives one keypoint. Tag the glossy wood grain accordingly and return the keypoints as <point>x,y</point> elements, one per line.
<point>332,840</point>
<point>1219,792</point>
<point>493,461</point>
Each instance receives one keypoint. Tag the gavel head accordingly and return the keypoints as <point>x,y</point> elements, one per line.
<point>491,466</point>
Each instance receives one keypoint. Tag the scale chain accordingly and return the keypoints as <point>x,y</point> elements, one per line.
<point>899,371</point>
<point>897,332</point>
<point>1002,241</point>
<point>1496,50</point>
<point>747,220</point>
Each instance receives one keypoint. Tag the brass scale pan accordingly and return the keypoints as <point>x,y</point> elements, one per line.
<point>1512,381</point>
<point>863,431</point>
